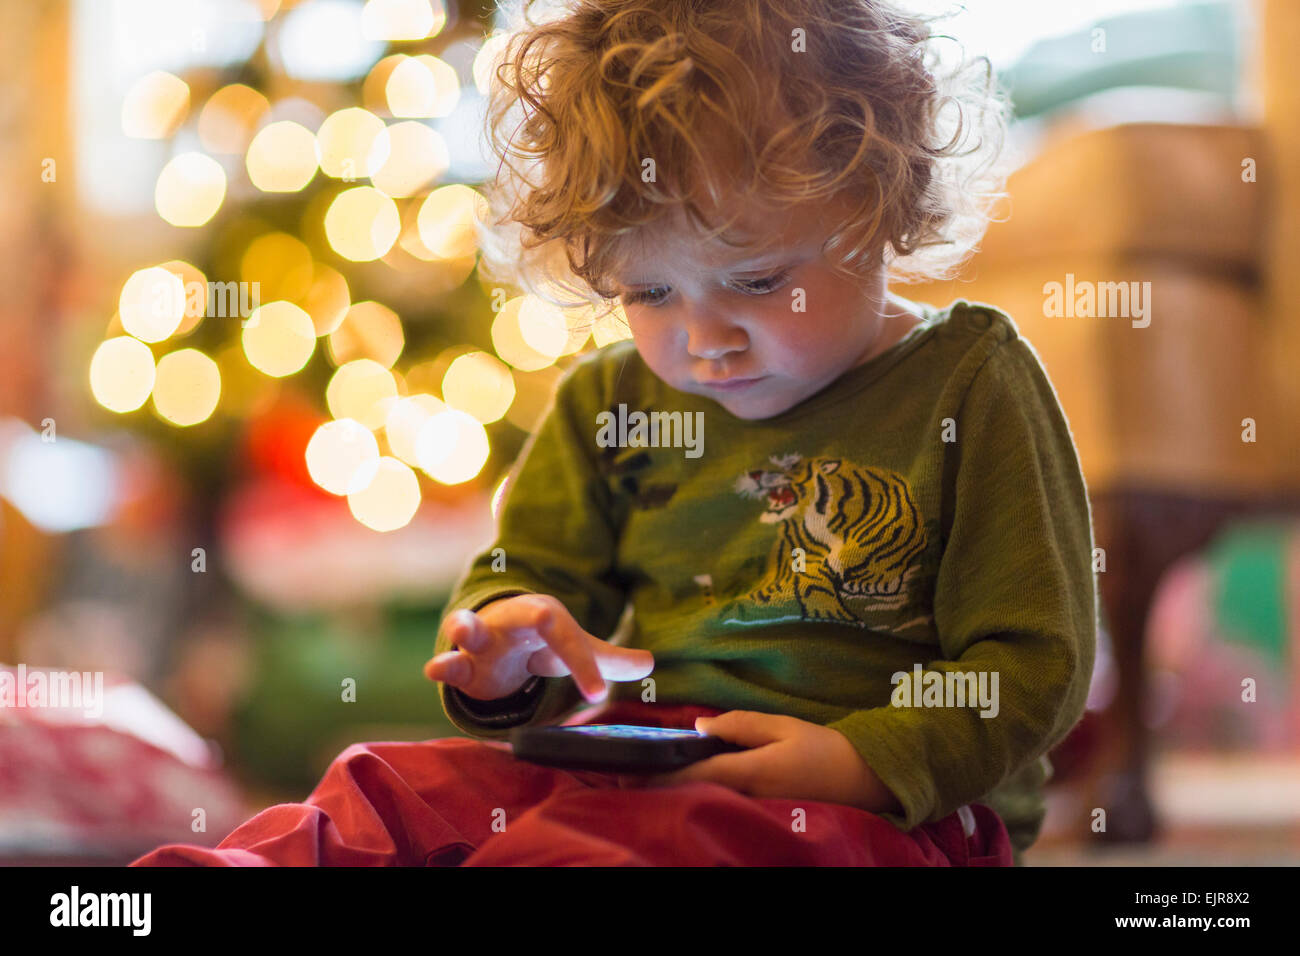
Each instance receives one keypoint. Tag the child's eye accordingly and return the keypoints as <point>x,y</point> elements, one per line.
<point>646,296</point>
<point>763,286</point>
<point>655,295</point>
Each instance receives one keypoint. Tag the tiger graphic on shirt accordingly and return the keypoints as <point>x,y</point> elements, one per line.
<point>845,533</point>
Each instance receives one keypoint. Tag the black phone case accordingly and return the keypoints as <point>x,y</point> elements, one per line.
<point>555,747</point>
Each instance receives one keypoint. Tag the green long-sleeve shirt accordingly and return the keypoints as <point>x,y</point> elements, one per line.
<point>923,513</point>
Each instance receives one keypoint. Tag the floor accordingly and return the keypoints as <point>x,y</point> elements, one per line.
<point>1213,810</point>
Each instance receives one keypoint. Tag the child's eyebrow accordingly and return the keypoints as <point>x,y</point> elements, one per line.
<point>762,262</point>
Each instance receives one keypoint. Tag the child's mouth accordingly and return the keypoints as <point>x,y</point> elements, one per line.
<point>732,384</point>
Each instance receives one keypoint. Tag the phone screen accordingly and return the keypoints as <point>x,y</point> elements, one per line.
<point>634,732</point>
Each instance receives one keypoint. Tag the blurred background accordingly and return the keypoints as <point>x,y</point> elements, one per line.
<point>256,397</point>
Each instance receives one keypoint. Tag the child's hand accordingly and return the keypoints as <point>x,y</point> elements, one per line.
<point>503,644</point>
<point>789,758</point>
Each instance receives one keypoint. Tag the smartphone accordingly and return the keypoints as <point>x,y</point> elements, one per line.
<point>616,748</point>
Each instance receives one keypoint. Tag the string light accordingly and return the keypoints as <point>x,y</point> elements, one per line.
<point>278,339</point>
<point>152,304</point>
<point>362,390</point>
<point>362,224</point>
<point>342,456</point>
<point>190,190</point>
<point>281,158</point>
<point>122,374</point>
<point>402,20</point>
<point>391,498</point>
<point>352,144</point>
<point>186,388</point>
<point>155,106</point>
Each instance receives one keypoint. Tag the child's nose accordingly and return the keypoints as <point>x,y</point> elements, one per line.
<point>711,337</point>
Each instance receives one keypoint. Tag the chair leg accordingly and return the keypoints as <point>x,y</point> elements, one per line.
<point>1126,588</point>
<point>1143,534</point>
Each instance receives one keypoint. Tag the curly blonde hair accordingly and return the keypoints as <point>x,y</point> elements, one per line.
<point>790,101</point>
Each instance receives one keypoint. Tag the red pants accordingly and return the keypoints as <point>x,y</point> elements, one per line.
<point>461,802</point>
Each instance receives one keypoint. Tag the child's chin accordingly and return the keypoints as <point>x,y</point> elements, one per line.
<point>752,409</point>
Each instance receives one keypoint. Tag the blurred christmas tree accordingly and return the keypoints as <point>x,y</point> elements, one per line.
<point>328,370</point>
<point>335,303</point>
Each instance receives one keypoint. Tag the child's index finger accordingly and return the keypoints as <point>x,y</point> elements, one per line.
<point>569,642</point>
<point>624,663</point>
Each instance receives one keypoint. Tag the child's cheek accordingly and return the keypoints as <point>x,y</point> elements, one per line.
<point>655,349</point>
<point>793,348</point>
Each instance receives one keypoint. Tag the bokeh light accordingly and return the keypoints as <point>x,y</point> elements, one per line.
<point>196,294</point>
<point>187,387</point>
<point>369,330</point>
<point>122,374</point>
<point>422,86</point>
<point>282,157</point>
<point>362,224</point>
<point>427,376</point>
<point>322,40</point>
<point>391,499</point>
<point>402,425</point>
<point>278,339</point>
<point>544,327</point>
<point>152,304</point>
<point>327,299</point>
<point>452,447</point>
<point>281,265</point>
<point>155,106</point>
<point>447,221</point>
<point>487,59</point>
<point>362,390</point>
<point>509,342</point>
<point>479,384</point>
<point>440,275</point>
<point>352,144</point>
<point>374,91</point>
<point>398,20</point>
<point>342,456</point>
<point>190,190</point>
<point>418,157</point>
<point>230,117</point>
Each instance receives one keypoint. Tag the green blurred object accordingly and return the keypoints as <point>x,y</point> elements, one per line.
<point>295,719</point>
<point>1249,563</point>
<point>1192,46</point>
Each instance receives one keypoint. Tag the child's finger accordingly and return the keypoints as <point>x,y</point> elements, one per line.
<point>623,663</point>
<point>616,663</point>
<point>465,630</point>
<point>453,667</point>
<point>749,728</point>
<point>575,647</point>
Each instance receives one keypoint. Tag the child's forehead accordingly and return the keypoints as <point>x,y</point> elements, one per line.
<point>759,237</point>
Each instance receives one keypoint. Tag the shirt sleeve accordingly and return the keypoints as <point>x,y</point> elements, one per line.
<point>556,535</point>
<point>1015,597</point>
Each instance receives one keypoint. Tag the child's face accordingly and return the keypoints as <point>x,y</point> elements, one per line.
<point>723,322</point>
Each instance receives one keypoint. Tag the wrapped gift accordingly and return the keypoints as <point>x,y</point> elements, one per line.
<point>94,767</point>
